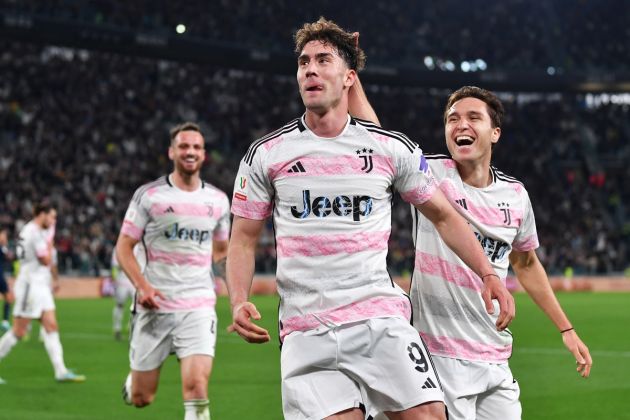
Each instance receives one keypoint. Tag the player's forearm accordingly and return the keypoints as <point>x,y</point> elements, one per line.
<point>239,272</point>
<point>129,264</point>
<point>460,239</point>
<point>533,278</point>
<point>358,104</point>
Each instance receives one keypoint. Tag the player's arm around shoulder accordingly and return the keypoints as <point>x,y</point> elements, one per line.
<point>533,277</point>
<point>456,233</point>
<point>240,274</point>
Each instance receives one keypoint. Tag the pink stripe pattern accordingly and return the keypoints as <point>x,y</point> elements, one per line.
<point>318,245</point>
<point>467,350</point>
<point>187,304</point>
<point>485,215</point>
<point>527,244</point>
<point>369,308</point>
<point>451,272</point>
<point>420,195</point>
<point>257,210</point>
<point>185,209</point>
<point>175,258</point>
<point>271,143</point>
<point>131,230</point>
<point>340,165</point>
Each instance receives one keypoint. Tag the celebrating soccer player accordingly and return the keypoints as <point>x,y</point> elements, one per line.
<point>183,223</point>
<point>328,181</point>
<point>470,354</point>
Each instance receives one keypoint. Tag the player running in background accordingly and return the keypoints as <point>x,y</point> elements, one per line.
<point>123,288</point>
<point>183,223</point>
<point>33,292</point>
<point>328,181</point>
<point>470,354</point>
<point>6,293</point>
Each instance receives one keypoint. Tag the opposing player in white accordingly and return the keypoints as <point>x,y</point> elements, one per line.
<point>183,223</point>
<point>123,288</point>
<point>328,181</point>
<point>470,353</point>
<point>33,291</point>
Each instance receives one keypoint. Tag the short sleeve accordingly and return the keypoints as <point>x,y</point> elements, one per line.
<point>526,238</point>
<point>253,191</point>
<point>137,216</point>
<point>414,179</point>
<point>222,229</point>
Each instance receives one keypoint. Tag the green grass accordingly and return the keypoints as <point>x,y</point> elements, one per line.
<point>245,382</point>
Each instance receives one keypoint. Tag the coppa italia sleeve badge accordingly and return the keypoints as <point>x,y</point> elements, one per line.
<point>240,192</point>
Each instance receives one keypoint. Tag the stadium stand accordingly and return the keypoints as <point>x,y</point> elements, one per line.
<point>85,127</point>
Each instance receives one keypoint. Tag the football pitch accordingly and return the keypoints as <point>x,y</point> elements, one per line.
<point>245,382</point>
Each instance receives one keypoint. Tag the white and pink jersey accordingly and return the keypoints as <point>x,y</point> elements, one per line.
<point>331,205</point>
<point>177,228</point>
<point>448,309</point>
<point>33,243</point>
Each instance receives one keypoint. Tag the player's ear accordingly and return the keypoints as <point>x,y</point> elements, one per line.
<point>496,133</point>
<point>350,77</point>
<point>171,152</point>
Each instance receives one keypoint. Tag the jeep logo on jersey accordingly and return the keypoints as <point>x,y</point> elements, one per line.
<point>185,234</point>
<point>342,205</point>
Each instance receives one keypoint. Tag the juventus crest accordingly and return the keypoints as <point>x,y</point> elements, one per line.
<point>366,155</point>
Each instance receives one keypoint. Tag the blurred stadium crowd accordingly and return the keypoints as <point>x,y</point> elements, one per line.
<point>86,128</point>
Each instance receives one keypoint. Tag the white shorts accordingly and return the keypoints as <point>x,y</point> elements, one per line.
<point>478,390</point>
<point>32,300</point>
<point>123,293</point>
<point>155,335</point>
<point>381,363</point>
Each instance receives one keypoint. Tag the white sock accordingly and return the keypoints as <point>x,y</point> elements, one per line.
<point>117,316</point>
<point>7,342</point>
<point>55,352</point>
<point>197,410</point>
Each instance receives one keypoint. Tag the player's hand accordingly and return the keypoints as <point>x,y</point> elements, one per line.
<point>243,326</point>
<point>55,286</point>
<point>10,297</point>
<point>580,352</point>
<point>493,288</point>
<point>355,35</point>
<point>148,297</point>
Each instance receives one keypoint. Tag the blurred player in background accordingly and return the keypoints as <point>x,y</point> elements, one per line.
<point>33,290</point>
<point>123,288</point>
<point>183,223</point>
<point>470,353</point>
<point>6,293</point>
<point>328,180</point>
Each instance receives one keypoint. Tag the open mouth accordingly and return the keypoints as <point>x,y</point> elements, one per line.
<point>314,88</point>
<point>464,140</point>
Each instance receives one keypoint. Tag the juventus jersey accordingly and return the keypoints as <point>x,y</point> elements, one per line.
<point>445,293</point>
<point>330,199</point>
<point>177,228</point>
<point>32,244</point>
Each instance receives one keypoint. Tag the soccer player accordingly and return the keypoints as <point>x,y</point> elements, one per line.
<point>4,287</point>
<point>328,181</point>
<point>471,355</point>
<point>123,288</point>
<point>33,292</point>
<point>183,223</point>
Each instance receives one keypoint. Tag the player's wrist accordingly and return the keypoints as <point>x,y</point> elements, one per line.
<point>567,330</point>
<point>485,277</point>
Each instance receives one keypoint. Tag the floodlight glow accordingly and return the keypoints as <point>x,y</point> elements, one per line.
<point>465,66</point>
<point>180,29</point>
<point>481,65</point>
<point>551,70</point>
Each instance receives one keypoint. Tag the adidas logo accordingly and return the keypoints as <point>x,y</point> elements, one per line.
<point>428,384</point>
<point>297,168</point>
<point>169,210</point>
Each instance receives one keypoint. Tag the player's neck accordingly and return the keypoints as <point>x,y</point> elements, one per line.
<point>475,174</point>
<point>329,124</point>
<point>186,182</point>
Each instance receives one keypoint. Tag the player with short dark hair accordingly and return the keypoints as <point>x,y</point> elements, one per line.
<point>328,179</point>
<point>470,354</point>
<point>183,224</point>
